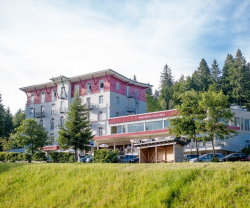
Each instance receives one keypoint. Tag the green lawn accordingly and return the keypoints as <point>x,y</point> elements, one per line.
<point>125,185</point>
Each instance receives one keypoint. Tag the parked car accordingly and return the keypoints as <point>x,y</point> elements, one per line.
<point>207,157</point>
<point>129,159</point>
<point>87,159</point>
<point>235,157</point>
<point>186,158</point>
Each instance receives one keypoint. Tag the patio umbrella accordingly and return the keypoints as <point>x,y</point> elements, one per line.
<point>104,145</point>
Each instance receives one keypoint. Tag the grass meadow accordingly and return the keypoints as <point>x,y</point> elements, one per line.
<point>125,185</point>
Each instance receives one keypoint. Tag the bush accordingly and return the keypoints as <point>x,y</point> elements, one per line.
<point>105,156</point>
<point>11,156</point>
<point>62,157</point>
<point>215,159</point>
<point>24,157</point>
<point>2,156</point>
<point>39,156</point>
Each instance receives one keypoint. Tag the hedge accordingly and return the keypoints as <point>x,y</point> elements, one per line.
<point>62,157</point>
<point>13,156</point>
<point>105,156</point>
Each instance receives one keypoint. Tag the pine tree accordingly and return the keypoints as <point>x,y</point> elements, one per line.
<point>166,86</point>
<point>149,91</point>
<point>2,118</point>
<point>18,118</point>
<point>77,131</point>
<point>134,78</point>
<point>8,122</point>
<point>216,75</point>
<point>156,95</point>
<point>202,77</point>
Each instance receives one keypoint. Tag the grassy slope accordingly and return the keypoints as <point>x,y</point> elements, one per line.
<point>121,185</point>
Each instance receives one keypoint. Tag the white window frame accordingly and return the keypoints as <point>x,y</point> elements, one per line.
<point>88,88</point>
<point>101,89</point>
<point>117,86</point>
<point>101,99</point>
<point>53,95</point>
<point>100,131</point>
<point>100,116</point>
<point>43,97</point>
<point>52,127</point>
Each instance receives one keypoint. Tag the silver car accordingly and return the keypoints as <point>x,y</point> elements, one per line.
<point>207,157</point>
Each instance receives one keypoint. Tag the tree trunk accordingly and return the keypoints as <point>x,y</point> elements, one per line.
<point>213,147</point>
<point>75,155</point>
<point>197,152</point>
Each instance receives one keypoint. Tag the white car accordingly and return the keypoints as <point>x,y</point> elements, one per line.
<point>207,157</point>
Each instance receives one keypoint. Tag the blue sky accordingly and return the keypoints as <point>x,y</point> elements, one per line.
<point>41,39</point>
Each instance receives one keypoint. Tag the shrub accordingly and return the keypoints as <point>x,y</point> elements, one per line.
<point>11,156</point>
<point>62,157</point>
<point>215,159</point>
<point>24,157</point>
<point>2,156</point>
<point>105,156</point>
<point>39,156</point>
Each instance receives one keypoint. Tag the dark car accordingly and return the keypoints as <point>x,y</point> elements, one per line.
<point>129,159</point>
<point>186,158</point>
<point>235,157</point>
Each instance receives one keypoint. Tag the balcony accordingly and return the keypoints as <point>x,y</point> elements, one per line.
<point>218,145</point>
<point>39,114</point>
<point>89,106</point>
<point>63,110</point>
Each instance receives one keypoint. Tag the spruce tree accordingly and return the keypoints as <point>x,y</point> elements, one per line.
<point>18,118</point>
<point>77,132</point>
<point>134,78</point>
<point>202,77</point>
<point>8,122</point>
<point>2,118</point>
<point>216,75</point>
<point>166,86</point>
<point>149,91</point>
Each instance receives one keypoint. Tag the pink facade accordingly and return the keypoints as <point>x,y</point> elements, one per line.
<point>123,85</point>
<point>37,95</point>
<point>94,85</point>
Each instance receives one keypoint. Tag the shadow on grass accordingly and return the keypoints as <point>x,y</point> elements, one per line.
<point>5,166</point>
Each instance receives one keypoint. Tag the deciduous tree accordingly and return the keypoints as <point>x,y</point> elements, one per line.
<point>31,135</point>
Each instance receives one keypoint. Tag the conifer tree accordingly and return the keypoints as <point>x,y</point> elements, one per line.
<point>166,86</point>
<point>216,75</point>
<point>76,132</point>
<point>202,77</point>
<point>2,118</point>
<point>8,122</point>
<point>134,78</point>
<point>149,91</point>
<point>18,118</point>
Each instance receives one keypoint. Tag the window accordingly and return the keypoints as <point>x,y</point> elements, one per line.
<point>53,109</point>
<point>101,99</point>
<point>101,86</point>
<point>54,95</point>
<point>247,124</point>
<point>41,122</point>
<point>88,102</point>
<point>42,109</point>
<point>76,89</point>
<point>88,88</point>
<point>118,129</point>
<point>166,124</point>
<point>117,114</point>
<point>247,143</point>
<point>52,124</point>
<point>100,116</point>
<point>100,131</point>
<point>118,100</point>
<point>52,138</point>
<point>136,127</point>
<point>43,97</point>
<point>31,111</point>
<point>127,90</point>
<point>155,125</point>
<point>241,124</point>
<point>32,99</point>
<point>117,86</point>
<point>136,92</point>
<point>63,92</point>
<point>61,121</point>
<point>237,121</point>
<point>62,107</point>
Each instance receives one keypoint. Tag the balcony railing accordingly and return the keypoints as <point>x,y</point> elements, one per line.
<point>39,114</point>
<point>89,106</point>
<point>63,110</point>
<point>218,145</point>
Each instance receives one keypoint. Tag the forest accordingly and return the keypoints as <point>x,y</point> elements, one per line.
<point>233,80</point>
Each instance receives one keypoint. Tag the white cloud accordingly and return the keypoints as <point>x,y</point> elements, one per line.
<point>41,39</point>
